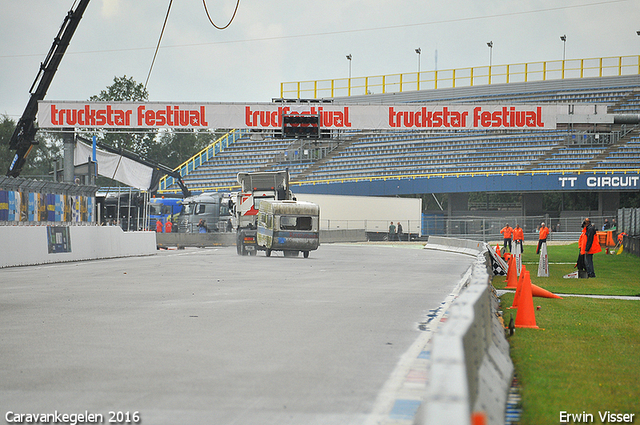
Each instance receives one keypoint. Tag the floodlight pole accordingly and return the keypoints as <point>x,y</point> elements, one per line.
<point>490,44</point>
<point>418,51</point>
<point>564,51</point>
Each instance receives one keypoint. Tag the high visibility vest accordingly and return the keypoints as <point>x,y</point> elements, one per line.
<point>518,234</point>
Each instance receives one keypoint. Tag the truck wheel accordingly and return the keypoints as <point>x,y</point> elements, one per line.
<point>306,254</point>
<point>238,244</point>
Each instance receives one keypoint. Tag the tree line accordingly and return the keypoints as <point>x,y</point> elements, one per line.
<point>167,147</point>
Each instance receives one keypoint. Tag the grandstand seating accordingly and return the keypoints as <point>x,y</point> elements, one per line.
<point>379,154</point>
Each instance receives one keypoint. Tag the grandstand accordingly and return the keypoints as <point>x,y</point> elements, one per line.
<point>413,162</point>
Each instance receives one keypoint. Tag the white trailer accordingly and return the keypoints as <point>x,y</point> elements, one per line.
<point>374,214</point>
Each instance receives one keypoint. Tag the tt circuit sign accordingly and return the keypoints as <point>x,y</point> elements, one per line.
<point>269,116</point>
<point>599,182</point>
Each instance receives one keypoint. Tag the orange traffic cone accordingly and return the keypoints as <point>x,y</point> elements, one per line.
<point>498,250</point>
<point>526,316</point>
<point>519,288</point>
<point>512,274</point>
<point>537,291</point>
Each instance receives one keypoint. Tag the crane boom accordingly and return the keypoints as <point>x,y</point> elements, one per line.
<point>23,138</point>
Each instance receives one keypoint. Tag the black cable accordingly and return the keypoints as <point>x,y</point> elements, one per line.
<point>204,2</point>
<point>158,46</point>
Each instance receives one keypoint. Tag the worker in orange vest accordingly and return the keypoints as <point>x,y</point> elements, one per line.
<point>542,238</point>
<point>168,226</point>
<point>589,245</point>
<point>518,237</point>
<point>158,226</point>
<point>507,232</point>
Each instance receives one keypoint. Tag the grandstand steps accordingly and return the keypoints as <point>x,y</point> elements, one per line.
<point>341,147</point>
<point>610,149</point>
<point>548,155</point>
<point>622,105</point>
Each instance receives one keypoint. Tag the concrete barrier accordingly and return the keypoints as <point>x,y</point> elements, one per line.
<point>229,239</point>
<point>464,246</point>
<point>200,240</point>
<point>470,368</point>
<point>30,245</point>
<point>343,235</point>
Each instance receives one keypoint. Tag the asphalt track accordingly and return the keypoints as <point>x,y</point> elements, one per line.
<point>203,336</point>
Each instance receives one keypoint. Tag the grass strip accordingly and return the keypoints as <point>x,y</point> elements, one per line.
<point>586,359</point>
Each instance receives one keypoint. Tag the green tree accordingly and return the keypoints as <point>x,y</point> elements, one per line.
<point>122,89</point>
<point>172,148</point>
<point>7,125</point>
<point>40,160</point>
<point>125,89</point>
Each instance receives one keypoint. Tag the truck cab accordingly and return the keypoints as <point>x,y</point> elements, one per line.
<point>255,188</point>
<point>212,208</point>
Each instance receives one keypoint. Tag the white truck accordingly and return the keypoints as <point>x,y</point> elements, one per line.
<point>254,188</point>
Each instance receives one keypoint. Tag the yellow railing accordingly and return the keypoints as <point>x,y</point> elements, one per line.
<point>200,158</point>
<point>463,77</point>
<point>635,171</point>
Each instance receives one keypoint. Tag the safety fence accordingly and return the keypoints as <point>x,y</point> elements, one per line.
<point>470,367</point>
<point>631,245</point>
<point>487,228</point>
<point>629,221</point>
<point>463,77</point>
<point>36,202</point>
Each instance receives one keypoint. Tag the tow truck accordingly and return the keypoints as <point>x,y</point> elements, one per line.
<point>256,187</point>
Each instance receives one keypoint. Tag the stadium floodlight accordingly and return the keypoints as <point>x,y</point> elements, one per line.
<point>418,51</point>
<point>349,59</point>
<point>490,44</point>
<point>564,45</point>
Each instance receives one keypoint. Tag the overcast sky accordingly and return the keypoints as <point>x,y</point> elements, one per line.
<point>272,41</point>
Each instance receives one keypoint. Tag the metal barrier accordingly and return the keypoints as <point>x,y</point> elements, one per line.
<point>629,221</point>
<point>631,245</point>
<point>470,368</point>
<point>463,77</point>
<point>36,202</point>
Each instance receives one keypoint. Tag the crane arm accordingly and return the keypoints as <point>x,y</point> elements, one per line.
<point>23,137</point>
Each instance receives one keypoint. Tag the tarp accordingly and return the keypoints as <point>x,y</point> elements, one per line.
<point>116,167</point>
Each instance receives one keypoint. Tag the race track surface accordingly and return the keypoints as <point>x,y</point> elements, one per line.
<point>203,336</point>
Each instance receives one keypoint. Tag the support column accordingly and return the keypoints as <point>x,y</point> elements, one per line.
<point>532,204</point>
<point>458,202</point>
<point>608,203</point>
<point>69,145</point>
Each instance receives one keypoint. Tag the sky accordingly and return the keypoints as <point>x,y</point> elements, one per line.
<point>275,41</point>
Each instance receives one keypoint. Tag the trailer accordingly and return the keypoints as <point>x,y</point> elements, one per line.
<point>374,214</point>
<point>288,226</point>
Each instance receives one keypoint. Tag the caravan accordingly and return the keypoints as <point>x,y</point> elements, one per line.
<point>288,226</point>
